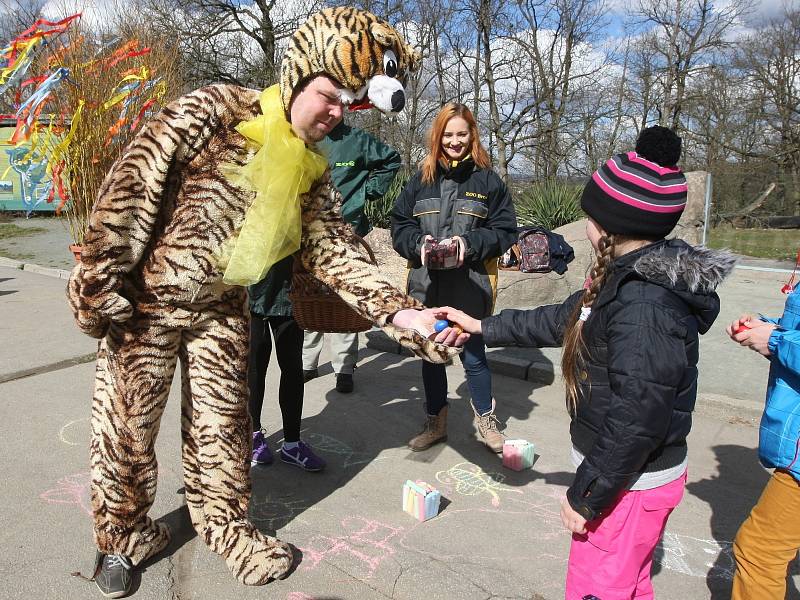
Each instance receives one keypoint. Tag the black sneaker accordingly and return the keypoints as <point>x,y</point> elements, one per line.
<point>309,374</point>
<point>112,574</point>
<point>344,383</point>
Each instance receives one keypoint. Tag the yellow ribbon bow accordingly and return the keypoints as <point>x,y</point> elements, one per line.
<point>282,170</point>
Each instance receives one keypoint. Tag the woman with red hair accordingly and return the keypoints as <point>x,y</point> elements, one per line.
<point>452,221</point>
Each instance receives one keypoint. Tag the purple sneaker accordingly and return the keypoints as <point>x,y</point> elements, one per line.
<point>302,456</point>
<point>262,455</point>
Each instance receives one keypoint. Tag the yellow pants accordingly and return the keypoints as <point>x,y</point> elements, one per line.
<point>767,541</point>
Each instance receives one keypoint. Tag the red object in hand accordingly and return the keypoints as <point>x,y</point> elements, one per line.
<point>742,327</point>
<point>441,256</point>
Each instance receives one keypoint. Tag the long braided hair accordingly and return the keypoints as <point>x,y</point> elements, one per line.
<point>574,354</point>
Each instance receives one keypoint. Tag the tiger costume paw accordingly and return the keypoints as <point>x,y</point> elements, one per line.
<point>95,302</point>
<point>416,337</point>
<point>255,558</point>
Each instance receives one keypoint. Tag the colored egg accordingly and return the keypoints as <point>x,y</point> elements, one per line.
<point>441,325</point>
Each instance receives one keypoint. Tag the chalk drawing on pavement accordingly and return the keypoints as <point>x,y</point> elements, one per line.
<point>71,489</point>
<point>71,430</point>
<point>695,556</point>
<point>330,445</point>
<point>691,556</point>
<point>366,541</point>
<point>468,479</point>
<point>274,512</point>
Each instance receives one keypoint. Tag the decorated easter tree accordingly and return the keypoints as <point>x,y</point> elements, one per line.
<point>81,95</point>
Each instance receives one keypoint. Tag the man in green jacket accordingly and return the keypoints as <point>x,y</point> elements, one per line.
<point>362,169</point>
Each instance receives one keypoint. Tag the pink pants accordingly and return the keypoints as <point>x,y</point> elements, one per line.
<point>612,560</point>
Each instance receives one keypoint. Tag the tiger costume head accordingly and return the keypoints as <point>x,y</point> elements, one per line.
<point>362,52</point>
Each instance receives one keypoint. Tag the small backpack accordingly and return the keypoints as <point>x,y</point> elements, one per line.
<point>534,252</point>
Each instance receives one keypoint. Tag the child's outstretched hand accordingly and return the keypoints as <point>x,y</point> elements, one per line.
<point>750,332</point>
<point>460,318</point>
<point>572,519</point>
<point>423,322</point>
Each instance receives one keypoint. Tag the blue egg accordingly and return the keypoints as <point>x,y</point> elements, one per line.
<point>441,325</point>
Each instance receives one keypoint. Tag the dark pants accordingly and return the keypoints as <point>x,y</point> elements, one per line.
<point>289,352</point>
<point>479,379</point>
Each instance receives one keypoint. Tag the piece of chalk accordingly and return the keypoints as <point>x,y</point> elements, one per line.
<point>741,328</point>
<point>441,325</point>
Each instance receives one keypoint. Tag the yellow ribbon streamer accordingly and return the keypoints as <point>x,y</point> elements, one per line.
<point>142,75</point>
<point>282,170</point>
<point>26,48</point>
<point>61,148</point>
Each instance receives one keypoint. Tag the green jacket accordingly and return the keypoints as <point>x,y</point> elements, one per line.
<point>270,296</point>
<point>362,169</point>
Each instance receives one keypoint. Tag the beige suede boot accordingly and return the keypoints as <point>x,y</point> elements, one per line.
<point>435,431</point>
<point>488,433</point>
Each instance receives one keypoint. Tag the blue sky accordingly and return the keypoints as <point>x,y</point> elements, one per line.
<point>761,12</point>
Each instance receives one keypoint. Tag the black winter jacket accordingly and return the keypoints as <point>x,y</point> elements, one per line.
<point>639,384</point>
<point>465,201</point>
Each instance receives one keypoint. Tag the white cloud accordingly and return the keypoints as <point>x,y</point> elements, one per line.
<point>96,14</point>
<point>766,10</point>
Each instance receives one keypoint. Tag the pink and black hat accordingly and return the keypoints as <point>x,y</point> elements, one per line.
<point>641,193</point>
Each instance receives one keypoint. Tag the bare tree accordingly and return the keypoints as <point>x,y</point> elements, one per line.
<point>17,16</point>
<point>552,36</point>
<point>686,34</point>
<point>228,40</point>
<point>771,60</point>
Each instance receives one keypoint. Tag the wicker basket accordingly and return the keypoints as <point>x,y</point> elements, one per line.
<point>317,308</point>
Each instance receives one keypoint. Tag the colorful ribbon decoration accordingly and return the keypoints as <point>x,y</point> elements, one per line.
<point>20,51</point>
<point>41,152</point>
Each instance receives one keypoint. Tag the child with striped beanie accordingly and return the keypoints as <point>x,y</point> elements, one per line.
<point>641,193</point>
<point>629,363</point>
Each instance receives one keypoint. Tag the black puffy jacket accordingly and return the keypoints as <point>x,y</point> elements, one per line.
<point>639,384</point>
<point>464,200</point>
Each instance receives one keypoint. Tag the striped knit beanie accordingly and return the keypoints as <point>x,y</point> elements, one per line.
<point>640,194</point>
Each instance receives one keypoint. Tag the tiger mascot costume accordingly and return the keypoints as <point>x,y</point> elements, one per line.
<point>150,285</point>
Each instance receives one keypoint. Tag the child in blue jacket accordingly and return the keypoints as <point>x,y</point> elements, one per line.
<point>770,537</point>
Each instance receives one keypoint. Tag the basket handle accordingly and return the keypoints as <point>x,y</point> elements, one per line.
<point>297,265</point>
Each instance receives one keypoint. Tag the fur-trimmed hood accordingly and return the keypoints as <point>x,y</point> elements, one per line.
<point>691,273</point>
<point>681,267</point>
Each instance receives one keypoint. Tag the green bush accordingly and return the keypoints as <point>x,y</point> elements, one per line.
<point>379,212</point>
<point>549,204</point>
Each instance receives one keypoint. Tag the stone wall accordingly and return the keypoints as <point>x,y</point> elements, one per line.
<point>690,226</point>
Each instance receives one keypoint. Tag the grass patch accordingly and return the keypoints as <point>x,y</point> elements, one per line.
<point>10,230</point>
<point>777,244</point>
<point>20,256</point>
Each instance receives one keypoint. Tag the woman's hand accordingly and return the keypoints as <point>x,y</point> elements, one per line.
<point>460,318</point>
<point>423,250</point>
<point>462,249</point>
<point>571,519</point>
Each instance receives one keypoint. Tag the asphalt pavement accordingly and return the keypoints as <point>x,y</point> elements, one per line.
<point>498,535</point>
